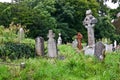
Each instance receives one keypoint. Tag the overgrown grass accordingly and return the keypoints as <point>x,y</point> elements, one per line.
<point>74,67</point>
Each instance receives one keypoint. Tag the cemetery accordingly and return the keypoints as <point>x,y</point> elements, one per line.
<point>39,42</point>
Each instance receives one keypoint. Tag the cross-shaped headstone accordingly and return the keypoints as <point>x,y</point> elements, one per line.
<point>52,48</point>
<point>89,23</point>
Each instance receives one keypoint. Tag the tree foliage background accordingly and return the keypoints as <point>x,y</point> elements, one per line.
<point>65,16</point>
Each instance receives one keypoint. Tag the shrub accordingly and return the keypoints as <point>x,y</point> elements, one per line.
<point>16,50</point>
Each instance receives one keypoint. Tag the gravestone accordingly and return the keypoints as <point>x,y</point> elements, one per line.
<point>59,39</point>
<point>115,44</point>
<point>20,35</point>
<point>109,47</point>
<point>79,40</point>
<point>39,46</point>
<point>89,23</point>
<point>52,47</point>
<point>74,43</point>
<point>99,50</point>
<point>89,51</point>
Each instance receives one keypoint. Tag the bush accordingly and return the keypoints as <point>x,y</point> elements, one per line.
<point>16,50</point>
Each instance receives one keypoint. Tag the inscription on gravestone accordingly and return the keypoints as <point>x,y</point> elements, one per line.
<point>99,50</point>
<point>39,46</point>
<point>52,48</point>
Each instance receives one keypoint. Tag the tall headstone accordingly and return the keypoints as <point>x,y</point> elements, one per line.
<point>99,50</point>
<point>39,46</point>
<point>52,47</point>
<point>89,23</point>
<point>21,34</point>
<point>79,40</point>
<point>59,39</point>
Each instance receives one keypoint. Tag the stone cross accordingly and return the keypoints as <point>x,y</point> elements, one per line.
<point>79,40</point>
<point>20,34</point>
<point>52,47</point>
<point>59,39</point>
<point>89,23</point>
<point>99,50</point>
<point>39,46</point>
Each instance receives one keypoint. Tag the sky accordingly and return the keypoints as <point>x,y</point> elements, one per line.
<point>108,3</point>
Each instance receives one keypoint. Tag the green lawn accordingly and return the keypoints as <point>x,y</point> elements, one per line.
<point>75,66</point>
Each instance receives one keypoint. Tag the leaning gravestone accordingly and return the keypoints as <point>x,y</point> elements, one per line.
<point>99,50</point>
<point>52,47</point>
<point>39,46</point>
<point>21,34</point>
<point>59,39</point>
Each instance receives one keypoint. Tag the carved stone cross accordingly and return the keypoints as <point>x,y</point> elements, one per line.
<point>89,23</point>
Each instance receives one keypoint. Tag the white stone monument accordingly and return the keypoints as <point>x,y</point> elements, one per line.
<point>59,39</point>
<point>52,47</point>
<point>89,23</point>
<point>21,35</point>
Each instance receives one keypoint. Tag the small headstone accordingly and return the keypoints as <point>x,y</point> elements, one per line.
<point>115,44</point>
<point>59,39</point>
<point>52,47</point>
<point>74,43</point>
<point>99,50</point>
<point>22,65</point>
<point>89,51</point>
<point>21,34</point>
<point>79,40</point>
<point>109,47</point>
<point>39,46</point>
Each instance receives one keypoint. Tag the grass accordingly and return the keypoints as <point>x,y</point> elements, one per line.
<point>74,67</point>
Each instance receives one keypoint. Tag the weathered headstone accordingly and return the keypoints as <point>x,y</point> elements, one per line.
<point>39,46</point>
<point>21,34</point>
<point>59,39</point>
<point>99,50</point>
<point>109,47</point>
<point>52,47</point>
<point>89,51</point>
<point>74,43</point>
<point>79,40</point>
<point>89,23</point>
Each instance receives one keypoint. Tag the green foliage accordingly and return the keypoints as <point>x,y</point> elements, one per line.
<point>4,73</point>
<point>16,50</point>
<point>40,16</point>
<point>74,67</point>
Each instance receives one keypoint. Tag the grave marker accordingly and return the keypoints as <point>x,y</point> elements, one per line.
<point>39,46</point>
<point>52,48</point>
<point>79,40</point>
<point>99,50</point>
